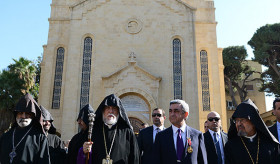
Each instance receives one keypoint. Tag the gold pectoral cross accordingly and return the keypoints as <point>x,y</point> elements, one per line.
<point>107,160</point>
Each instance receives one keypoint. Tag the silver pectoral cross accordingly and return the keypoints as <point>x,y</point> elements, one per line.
<point>107,160</point>
<point>12,155</point>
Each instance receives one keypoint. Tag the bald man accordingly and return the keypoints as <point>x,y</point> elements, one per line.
<point>215,139</point>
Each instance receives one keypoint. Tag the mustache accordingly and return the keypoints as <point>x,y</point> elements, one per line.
<point>23,120</point>
<point>111,115</point>
<point>240,126</point>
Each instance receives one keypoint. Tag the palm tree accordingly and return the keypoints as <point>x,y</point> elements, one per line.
<point>26,71</point>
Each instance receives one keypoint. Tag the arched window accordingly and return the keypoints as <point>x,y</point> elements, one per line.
<point>58,78</point>
<point>177,70</point>
<point>204,80</point>
<point>86,69</point>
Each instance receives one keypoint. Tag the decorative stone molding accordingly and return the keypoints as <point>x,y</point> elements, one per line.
<point>133,78</point>
<point>84,6</point>
<point>133,26</point>
<point>171,8</point>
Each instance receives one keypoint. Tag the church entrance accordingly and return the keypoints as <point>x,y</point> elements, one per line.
<point>136,124</point>
<point>137,108</point>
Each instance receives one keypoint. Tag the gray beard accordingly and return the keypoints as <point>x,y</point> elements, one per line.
<point>111,122</point>
<point>23,122</point>
<point>242,134</point>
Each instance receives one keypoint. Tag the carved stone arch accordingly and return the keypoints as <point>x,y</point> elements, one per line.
<point>136,124</point>
<point>150,100</point>
<point>145,115</point>
<point>58,46</point>
<point>177,37</point>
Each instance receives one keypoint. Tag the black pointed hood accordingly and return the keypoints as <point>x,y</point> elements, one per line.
<point>48,117</point>
<point>84,113</point>
<point>249,110</point>
<point>27,104</point>
<point>112,100</point>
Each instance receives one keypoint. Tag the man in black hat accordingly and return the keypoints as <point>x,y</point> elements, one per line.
<point>249,140</point>
<point>26,141</point>
<point>56,147</point>
<point>113,140</point>
<point>77,140</point>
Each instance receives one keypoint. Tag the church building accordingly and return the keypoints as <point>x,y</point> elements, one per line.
<point>147,52</point>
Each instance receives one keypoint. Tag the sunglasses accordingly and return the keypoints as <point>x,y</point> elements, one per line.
<point>214,118</point>
<point>156,114</point>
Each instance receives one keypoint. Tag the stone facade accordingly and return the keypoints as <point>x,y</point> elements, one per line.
<point>132,56</point>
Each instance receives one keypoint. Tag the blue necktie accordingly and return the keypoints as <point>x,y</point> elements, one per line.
<point>217,145</point>
<point>180,145</point>
<point>158,130</point>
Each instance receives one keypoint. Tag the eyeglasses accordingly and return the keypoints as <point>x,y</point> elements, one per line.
<point>213,118</point>
<point>156,114</point>
<point>239,120</point>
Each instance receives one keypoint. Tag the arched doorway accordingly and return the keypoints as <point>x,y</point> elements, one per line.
<point>134,103</point>
<point>136,124</point>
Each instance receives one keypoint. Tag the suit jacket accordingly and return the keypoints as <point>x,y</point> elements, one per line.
<point>212,156</point>
<point>273,130</point>
<point>165,153</point>
<point>145,143</point>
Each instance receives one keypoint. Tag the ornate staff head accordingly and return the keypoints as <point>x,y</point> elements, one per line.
<point>91,118</point>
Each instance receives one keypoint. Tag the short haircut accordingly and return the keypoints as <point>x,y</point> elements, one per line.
<point>163,112</point>
<point>185,106</point>
<point>274,102</point>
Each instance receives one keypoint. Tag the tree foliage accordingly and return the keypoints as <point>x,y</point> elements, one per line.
<point>266,45</point>
<point>15,81</point>
<point>236,72</point>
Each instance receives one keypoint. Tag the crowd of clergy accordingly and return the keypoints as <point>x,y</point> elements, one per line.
<point>106,137</point>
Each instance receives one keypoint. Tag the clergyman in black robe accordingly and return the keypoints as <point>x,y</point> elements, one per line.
<point>112,135</point>
<point>249,140</point>
<point>77,140</point>
<point>56,147</point>
<point>26,141</point>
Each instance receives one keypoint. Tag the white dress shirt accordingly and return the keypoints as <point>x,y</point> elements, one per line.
<point>183,134</point>
<point>219,137</point>
<point>155,131</point>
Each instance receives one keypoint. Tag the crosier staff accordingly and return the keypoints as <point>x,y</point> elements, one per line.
<point>91,119</point>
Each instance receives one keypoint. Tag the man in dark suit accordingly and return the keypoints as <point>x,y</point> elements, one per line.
<point>215,139</point>
<point>147,136</point>
<point>275,129</point>
<point>179,143</point>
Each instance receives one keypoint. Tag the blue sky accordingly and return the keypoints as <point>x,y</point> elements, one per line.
<point>24,25</point>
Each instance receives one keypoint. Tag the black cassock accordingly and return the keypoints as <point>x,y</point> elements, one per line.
<point>236,152</point>
<point>75,144</point>
<point>124,149</point>
<point>32,149</point>
<point>56,149</point>
<point>78,140</point>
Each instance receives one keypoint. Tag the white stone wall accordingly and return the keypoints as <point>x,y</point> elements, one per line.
<point>111,25</point>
